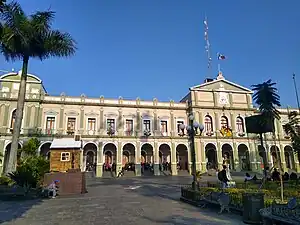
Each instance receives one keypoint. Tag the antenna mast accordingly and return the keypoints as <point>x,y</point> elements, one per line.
<point>207,46</point>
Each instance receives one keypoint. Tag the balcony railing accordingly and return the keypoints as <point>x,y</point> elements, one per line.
<point>134,133</point>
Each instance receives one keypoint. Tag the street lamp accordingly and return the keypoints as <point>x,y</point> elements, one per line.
<point>192,131</point>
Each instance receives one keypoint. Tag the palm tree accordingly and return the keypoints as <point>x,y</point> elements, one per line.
<point>2,2</point>
<point>26,37</point>
<point>293,130</point>
<point>267,99</point>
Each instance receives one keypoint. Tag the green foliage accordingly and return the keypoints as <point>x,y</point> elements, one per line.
<point>293,131</point>
<point>30,148</point>
<point>31,36</point>
<point>2,2</point>
<point>4,180</point>
<point>31,167</point>
<point>30,171</point>
<point>267,99</point>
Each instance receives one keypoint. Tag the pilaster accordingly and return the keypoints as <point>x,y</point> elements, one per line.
<point>99,166</point>
<point>138,159</point>
<point>173,159</point>
<point>119,157</point>
<point>156,159</point>
<point>197,154</point>
<point>236,160</point>
<point>219,156</point>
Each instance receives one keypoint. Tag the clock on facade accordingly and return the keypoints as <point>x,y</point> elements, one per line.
<point>223,98</point>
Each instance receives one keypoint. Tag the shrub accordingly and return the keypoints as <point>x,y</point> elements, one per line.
<point>30,172</point>
<point>4,180</point>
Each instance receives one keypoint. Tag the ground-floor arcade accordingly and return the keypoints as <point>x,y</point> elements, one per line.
<point>170,156</point>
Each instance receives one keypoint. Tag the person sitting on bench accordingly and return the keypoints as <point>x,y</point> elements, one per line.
<point>52,188</point>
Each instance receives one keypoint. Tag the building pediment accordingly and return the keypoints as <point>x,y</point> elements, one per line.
<point>221,85</point>
<point>51,113</point>
<point>72,113</point>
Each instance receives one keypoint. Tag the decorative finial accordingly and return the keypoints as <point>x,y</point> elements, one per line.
<point>220,76</point>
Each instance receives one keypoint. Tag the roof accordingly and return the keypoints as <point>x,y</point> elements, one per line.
<point>65,143</point>
<point>19,74</point>
<point>222,80</point>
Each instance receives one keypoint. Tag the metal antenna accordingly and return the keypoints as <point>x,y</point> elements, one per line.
<point>207,46</point>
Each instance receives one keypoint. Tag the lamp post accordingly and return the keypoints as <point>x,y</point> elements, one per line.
<point>192,131</point>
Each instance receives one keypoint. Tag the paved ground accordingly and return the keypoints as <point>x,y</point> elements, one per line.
<point>131,201</point>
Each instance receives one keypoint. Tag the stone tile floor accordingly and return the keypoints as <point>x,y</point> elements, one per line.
<point>151,200</point>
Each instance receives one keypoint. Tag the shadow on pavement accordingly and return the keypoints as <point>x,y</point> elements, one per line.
<point>11,210</point>
<point>184,220</point>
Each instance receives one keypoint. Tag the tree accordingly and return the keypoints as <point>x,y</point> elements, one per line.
<point>267,99</point>
<point>26,37</point>
<point>293,130</point>
<point>2,2</point>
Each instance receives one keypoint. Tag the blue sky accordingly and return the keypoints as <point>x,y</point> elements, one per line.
<point>146,49</point>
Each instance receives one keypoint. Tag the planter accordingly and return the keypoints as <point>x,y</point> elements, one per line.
<point>252,203</point>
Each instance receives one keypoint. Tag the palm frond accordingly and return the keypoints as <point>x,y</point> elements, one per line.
<point>2,3</point>
<point>42,21</point>
<point>266,98</point>
<point>59,44</point>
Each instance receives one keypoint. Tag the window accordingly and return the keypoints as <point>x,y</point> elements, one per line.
<point>13,119</point>
<point>50,121</point>
<point>65,156</point>
<point>224,122</point>
<point>146,124</point>
<point>71,125</point>
<point>129,126</point>
<point>91,124</point>
<point>164,126</point>
<point>178,126</point>
<point>239,125</point>
<point>110,124</point>
<point>208,126</point>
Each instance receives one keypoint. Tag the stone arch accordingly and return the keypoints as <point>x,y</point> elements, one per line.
<point>211,156</point>
<point>147,159</point>
<point>6,155</point>
<point>262,153</point>
<point>44,150</point>
<point>244,157</point>
<point>128,154</point>
<point>289,157</point>
<point>273,150</point>
<point>146,153</point>
<point>110,156</point>
<point>165,157</point>
<point>182,157</point>
<point>90,156</point>
<point>165,153</point>
<point>227,154</point>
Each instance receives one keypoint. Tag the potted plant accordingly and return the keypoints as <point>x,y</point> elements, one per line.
<point>147,133</point>
<point>110,131</point>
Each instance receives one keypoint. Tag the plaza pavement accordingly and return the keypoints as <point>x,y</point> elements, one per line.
<point>134,201</point>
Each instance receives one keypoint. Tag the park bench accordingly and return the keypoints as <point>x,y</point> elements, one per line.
<point>283,214</point>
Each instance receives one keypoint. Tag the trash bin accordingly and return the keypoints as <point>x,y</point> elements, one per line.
<point>252,203</point>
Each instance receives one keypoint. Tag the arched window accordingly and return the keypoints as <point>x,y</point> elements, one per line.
<point>224,122</point>
<point>13,119</point>
<point>208,126</point>
<point>240,125</point>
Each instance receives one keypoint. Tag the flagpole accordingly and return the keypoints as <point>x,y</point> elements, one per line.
<point>296,92</point>
<point>207,46</point>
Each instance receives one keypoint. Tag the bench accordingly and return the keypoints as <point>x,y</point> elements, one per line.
<point>283,214</point>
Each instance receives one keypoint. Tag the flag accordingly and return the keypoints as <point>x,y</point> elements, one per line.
<point>221,57</point>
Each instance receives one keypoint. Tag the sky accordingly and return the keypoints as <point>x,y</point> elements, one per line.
<point>156,48</point>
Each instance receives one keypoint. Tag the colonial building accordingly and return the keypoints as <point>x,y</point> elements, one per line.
<point>120,131</point>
